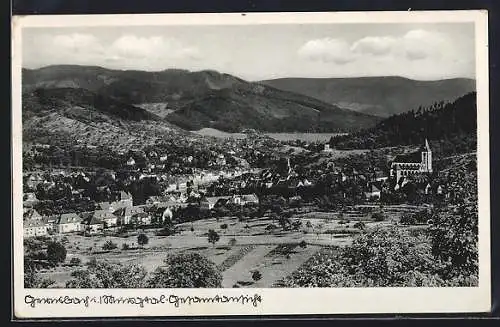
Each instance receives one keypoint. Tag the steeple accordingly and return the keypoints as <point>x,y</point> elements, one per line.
<point>426,165</point>
<point>427,147</point>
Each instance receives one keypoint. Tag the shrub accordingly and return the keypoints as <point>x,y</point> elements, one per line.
<point>378,216</point>
<point>382,257</point>
<point>167,231</point>
<point>223,226</point>
<point>359,225</point>
<point>186,270</point>
<point>303,244</point>
<point>232,242</point>
<point>75,261</point>
<point>256,275</point>
<point>213,236</point>
<point>271,227</point>
<point>109,245</point>
<point>142,239</point>
<point>102,274</point>
<point>421,217</point>
<point>92,262</point>
<point>125,246</point>
<point>33,280</point>
<point>56,252</point>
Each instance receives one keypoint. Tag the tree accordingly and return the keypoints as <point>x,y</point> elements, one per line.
<point>102,274</point>
<point>109,245</point>
<point>75,261</point>
<point>454,237</point>
<point>186,270</point>
<point>284,222</point>
<point>32,278</point>
<point>223,226</point>
<point>360,225</point>
<point>256,275</point>
<point>142,239</point>
<point>303,244</point>
<point>213,236</point>
<point>56,252</point>
<point>232,242</point>
<point>378,216</point>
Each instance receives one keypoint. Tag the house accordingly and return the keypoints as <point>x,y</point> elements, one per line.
<point>29,199</point>
<point>131,162</point>
<point>34,227</point>
<point>249,198</point>
<point>378,176</point>
<point>414,163</point>
<point>68,223</point>
<point>220,160</point>
<point>208,203</point>
<point>373,192</point>
<point>125,214</point>
<point>32,214</point>
<point>33,180</point>
<point>93,225</point>
<point>141,218</point>
<point>171,187</point>
<point>51,223</point>
<point>428,189</point>
<point>108,218</point>
<point>126,200</point>
<point>167,214</point>
<point>152,200</point>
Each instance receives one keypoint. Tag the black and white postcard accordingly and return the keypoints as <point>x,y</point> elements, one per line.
<point>250,164</point>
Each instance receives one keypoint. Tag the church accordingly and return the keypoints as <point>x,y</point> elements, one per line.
<point>411,164</point>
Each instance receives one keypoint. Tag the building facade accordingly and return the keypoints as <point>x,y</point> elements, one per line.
<point>419,162</point>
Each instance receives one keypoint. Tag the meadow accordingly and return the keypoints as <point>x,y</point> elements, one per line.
<point>243,248</point>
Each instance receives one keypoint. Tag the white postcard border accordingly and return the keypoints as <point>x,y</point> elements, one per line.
<point>274,301</point>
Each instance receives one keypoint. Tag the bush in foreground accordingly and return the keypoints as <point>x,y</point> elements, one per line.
<point>186,270</point>
<point>382,257</point>
<point>102,274</point>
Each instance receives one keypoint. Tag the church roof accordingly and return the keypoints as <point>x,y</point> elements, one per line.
<point>415,157</point>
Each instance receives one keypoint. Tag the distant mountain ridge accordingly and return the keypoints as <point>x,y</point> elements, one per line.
<point>381,96</point>
<point>195,100</point>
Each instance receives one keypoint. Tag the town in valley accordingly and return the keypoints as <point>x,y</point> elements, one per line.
<point>197,178</point>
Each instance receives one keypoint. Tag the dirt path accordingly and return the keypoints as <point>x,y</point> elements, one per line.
<point>240,271</point>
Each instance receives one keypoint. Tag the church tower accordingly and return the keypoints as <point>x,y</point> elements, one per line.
<point>426,165</point>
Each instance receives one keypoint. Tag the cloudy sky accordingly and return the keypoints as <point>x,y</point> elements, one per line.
<point>255,52</point>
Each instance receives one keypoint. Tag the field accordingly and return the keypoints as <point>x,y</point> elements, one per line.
<point>219,134</point>
<point>308,137</point>
<point>274,253</point>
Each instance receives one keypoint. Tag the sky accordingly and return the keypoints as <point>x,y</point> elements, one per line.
<point>427,51</point>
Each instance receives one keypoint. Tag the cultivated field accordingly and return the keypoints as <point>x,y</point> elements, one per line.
<point>275,253</point>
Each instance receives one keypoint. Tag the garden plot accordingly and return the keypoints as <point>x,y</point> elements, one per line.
<point>282,263</point>
<point>240,272</point>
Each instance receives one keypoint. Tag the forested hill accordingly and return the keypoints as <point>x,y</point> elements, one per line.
<point>452,125</point>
